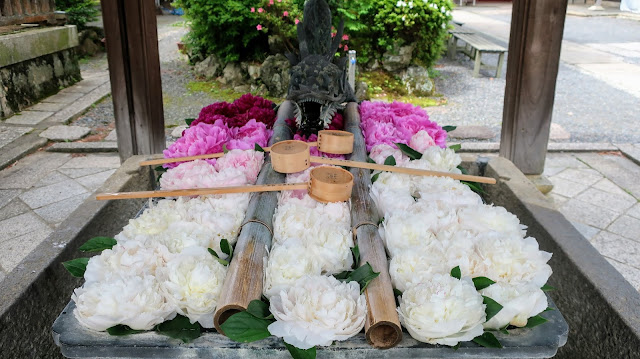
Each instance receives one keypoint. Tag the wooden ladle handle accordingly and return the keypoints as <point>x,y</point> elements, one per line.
<point>202,191</point>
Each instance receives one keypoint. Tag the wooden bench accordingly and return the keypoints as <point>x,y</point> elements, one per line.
<point>475,46</point>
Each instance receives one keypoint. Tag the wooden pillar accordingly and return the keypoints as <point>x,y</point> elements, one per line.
<point>134,67</point>
<point>532,69</point>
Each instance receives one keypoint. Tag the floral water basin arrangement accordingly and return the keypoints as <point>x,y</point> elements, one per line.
<point>464,273</point>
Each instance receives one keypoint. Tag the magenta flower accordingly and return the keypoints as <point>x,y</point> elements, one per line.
<point>285,14</point>
<point>297,21</point>
<point>346,47</point>
<point>270,2</point>
<point>345,37</point>
<point>259,27</point>
<point>253,9</point>
<point>246,137</point>
<point>260,10</point>
<point>201,139</point>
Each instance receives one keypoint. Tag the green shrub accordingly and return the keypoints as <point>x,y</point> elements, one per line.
<point>404,22</point>
<point>224,28</point>
<point>79,12</point>
<point>279,18</point>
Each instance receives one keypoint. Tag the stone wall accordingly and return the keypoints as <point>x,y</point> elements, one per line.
<point>36,64</point>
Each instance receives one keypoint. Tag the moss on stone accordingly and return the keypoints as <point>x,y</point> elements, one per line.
<point>383,86</point>
<point>219,92</point>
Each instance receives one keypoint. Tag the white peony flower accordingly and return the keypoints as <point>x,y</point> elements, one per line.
<point>287,263</point>
<point>503,258</point>
<point>484,218</point>
<point>127,258</point>
<point>519,301</point>
<point>442,310</point>
<point>379,154</point>
<point>248,161</point>
<point>154,220</point>
<point>421,140</point>
<point>192,282</point>
<point>390,200</point>
<point>445,191</point>
<point>402,230</point>
<point>133,301</point>
<point>435,158</point>
<point>410,267</point>
<point>181,235</point>
<point>318,310</point>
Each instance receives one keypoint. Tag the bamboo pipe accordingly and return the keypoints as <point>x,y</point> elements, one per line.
<point>405,170</point>
<point>382,326</point>
<point>244,280</point>
<point>203,191</point>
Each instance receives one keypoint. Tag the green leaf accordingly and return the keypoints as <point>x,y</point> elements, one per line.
<point>76,267</point>
<point>370,160</point>
<point>487,340</point>
<point>342,275</point>
<point>259,309</point>
<point>98,244</point>
<point>474,187</point>
<point>120,330</point>
<point>374,178</point>
<point>547,288</point>
<point>504,330</point>
<point>535,321</point>
<point>226,248</point>
<point>457,346</point>
<point>397,293</point>
<point>356,255</point>
<point>225,149</point>
<point>448,128</point>
<point>363,275</point>
<point>456,273</point>
<point>548,309</point>
<point>189,121</point>
<point>456,147</point>
<point>298,353</point>
<point>180,328</point>
<point>463,170</point>
<point>215,255</point>
<point>493,307</point>
<point>160,169</point>
<point>245,328</point>
<point>258,148</point>
<point>390,161</point>
<point>410,152</point>
<point>482,282</point>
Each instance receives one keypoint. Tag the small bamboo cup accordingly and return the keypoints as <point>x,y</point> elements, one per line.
<point>329,141</point>
<point>290,156</point>
<point>330,184</point>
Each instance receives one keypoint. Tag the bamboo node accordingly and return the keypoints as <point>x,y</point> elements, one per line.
<point>259,222</point>
<point>364,223</point>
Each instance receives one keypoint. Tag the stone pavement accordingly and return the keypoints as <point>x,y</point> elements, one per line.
<point>599,193</point>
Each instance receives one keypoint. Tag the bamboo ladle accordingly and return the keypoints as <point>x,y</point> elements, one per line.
<point>329,141</point>
<point>327,184</point>
<point>294,156</point>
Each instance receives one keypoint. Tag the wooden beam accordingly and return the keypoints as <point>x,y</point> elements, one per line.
<point>532,69</point>
<point>134,69</point>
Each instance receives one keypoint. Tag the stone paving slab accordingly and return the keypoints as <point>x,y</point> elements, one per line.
<point>20,225</point>
<point>584,212</point>
<point>14,250</point>
<point>28,117</point>
<point>7,196</point>
<point>87,85</point>
<point>93,161</point>
<point>620,170</point>
<point>75,109</point>
<point>83,147</point>
<point>65,133</point>
<point>113,136</point>
<point>20,148</point>
<point>94,181</point>
<point>10,133</point>
<point>631,274</point>
<point>48,106</point>
<point>57,212</point>
<point>14,208</point>
<point>32,169</point>
<point>66,98</point>
<point>79,172</point>
<point>42,196</point>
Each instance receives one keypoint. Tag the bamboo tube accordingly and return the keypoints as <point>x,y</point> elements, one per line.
<point>204,191</point>
<point>244,279</point>
<point>382,326</point>
<point>409,171</point>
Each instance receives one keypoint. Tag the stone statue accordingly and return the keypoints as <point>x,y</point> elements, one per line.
<point>318,85</point>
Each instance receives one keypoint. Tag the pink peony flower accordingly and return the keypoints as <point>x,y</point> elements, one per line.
<point>246,137</point>
<point>249,162</point>
<point>337,123</point>
<point>259,27</point>
<point>216,111</point>
<point>421,141</point>
<point>194,174</point>
<point>379,154</point>
<point>199,140</point>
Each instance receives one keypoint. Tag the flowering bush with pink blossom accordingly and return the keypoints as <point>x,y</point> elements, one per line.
<point>398,122</point>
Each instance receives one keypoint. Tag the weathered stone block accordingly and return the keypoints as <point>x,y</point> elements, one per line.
<point>27,45</point>
<point>65,133</point>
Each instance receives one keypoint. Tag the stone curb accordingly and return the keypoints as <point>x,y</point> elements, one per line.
<point>34,293</point>
<point>601,307</point>
<point>20,147</point>
<point>552,147</point>
<point>84,147</point>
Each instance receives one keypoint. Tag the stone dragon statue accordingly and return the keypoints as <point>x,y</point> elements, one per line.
<point>318,87</point>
